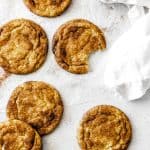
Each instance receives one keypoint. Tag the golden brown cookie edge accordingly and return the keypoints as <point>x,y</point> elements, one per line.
<point>37,140</point>
<point>55,39</point>
<point>86,114</point>
<point>11,110</point>
<point>46,46</point>
<point>42,15</point>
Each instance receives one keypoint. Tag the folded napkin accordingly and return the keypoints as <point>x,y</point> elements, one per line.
<point>128,68</point>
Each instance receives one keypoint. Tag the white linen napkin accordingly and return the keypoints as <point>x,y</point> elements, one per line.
<point>128,68</point>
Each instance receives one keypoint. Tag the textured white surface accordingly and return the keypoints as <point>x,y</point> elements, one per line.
<point>79,92</point>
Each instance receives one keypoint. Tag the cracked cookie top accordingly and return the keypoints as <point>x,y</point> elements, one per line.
<point>38,104</point>
<point>17,135</point>
<point>74,41</point>
<point>47,8</point>
<point>104,127</point>
<point>23,46</point>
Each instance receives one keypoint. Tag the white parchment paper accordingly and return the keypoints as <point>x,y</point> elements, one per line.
<point>79,92</point>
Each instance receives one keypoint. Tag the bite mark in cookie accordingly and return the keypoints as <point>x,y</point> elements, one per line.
<point>74,41</point>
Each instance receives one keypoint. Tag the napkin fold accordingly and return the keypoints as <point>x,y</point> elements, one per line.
<point>144,3</point>
<point>128,68</point>
<point>136,7</point>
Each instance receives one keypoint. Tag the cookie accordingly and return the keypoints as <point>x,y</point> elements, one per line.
<point>38,104</point>
<point>23,46</point>
<point>74,41</point>
<point>104,127</point>
<point>47,8</point>
<point>17,135</point>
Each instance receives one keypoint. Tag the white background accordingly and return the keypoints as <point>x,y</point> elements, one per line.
<point>79,92</point>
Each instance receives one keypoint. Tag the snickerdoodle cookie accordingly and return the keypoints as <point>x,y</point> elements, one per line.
<point>74,41</point>
<point>17,135</point>
<point>104,127</point>
<point>47,8</point>
<point>23,46</point>
<point>38,104</point>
